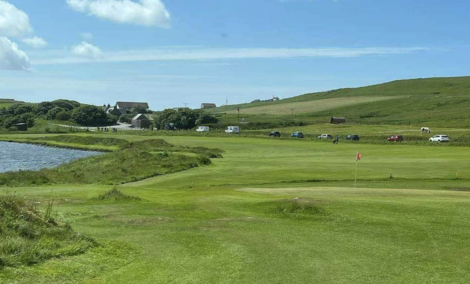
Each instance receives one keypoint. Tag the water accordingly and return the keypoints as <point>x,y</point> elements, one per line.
<point>17,156</point>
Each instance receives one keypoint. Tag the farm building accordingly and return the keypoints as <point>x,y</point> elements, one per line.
<point>128,106</point>
<point>141,121</point>
<point>21,126</point>
<point>208,105</point>
<point>338,120</point>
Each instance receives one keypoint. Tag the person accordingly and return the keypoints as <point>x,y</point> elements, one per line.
<point>336,140</point>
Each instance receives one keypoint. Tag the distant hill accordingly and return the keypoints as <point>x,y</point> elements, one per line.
<point>436,101</point>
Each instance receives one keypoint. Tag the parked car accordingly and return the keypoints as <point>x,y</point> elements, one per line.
<point>275,134</point>
<point>297,135</point>
<point>353,137</point>
<point>203,129</point>
<point>439,138</point>
<point>233,130</point>
<point>395,138</point>
<point>325,136</point>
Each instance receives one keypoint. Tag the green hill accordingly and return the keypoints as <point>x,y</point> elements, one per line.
<point>434,101</point>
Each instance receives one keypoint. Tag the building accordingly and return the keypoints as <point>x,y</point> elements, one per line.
<point>128,106</point>
<point>141,121</point>
<point>208,105</point>
<point>21,126</point>
<point>337,120</point>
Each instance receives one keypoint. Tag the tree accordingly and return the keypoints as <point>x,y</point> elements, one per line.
<point>52,114</point>
<point>88,115</point>
<point>63,115</point>
<point>183,118</point>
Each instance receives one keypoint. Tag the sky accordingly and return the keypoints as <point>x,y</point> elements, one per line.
<point>174,53</point>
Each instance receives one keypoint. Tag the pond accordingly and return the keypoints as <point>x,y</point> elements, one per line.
<point>18,156</point>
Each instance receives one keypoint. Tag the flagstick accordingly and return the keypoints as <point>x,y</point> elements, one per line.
<point>355,175</point>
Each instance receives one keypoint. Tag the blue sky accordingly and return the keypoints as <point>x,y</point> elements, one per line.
<point>173,52</point>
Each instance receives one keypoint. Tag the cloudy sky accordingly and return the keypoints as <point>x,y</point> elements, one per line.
<point>176,52</point>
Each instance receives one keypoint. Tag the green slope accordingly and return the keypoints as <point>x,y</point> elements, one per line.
<point>433,101</point>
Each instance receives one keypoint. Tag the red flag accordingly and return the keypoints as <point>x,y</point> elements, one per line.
<point>359,156</point>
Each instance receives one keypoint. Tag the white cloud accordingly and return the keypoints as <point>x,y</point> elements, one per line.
<point>87,50</point>
<point>35,42</point>
<point>87,36</point>
<point>172,54</point>
<point>13,22</point>
<point>144,12</point>
<point>11,57</point>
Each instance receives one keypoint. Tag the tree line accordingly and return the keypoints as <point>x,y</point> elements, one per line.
<point>59,110</point>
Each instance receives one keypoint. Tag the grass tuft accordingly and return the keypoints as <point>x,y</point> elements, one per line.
<point>297,208</point>
<point>116,196</point>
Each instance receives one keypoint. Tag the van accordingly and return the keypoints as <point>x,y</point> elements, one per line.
<point>233,130</point>
<point>203,129</point>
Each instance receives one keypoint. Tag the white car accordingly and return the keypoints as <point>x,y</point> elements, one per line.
<point>325,136</point>
<point>203,129</point>
<point>439,138</point>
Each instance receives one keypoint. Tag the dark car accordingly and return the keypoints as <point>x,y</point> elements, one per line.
<point>275,134</point>
<point>353,137</point>
<point>395,138</point>
<point>297,135</point>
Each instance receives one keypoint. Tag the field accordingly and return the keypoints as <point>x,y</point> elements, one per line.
<point>310,106</point>
<point>269,211</point>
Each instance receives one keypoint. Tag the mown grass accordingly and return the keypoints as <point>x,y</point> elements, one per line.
<point>276,211</point>
<point>28,237</point>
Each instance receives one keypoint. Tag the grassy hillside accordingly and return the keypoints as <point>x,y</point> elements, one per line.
<point>435,101</point>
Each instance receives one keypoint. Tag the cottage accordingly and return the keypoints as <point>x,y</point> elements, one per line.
<point>21,126</point>
<point>141,121</point>
<point>208,105</point>
<point>338,120</point>
<point>128,106</point>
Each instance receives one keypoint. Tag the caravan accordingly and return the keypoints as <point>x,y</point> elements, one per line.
<point>203,129</point>
<point>233,130</point>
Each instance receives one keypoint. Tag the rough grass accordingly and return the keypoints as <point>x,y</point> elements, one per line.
<point>115,195</point>
<point>135,162</point>
<point>27,237</point>
<point>295,208</point>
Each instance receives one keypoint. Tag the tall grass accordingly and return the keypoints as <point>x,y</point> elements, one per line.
<point>27,237</point>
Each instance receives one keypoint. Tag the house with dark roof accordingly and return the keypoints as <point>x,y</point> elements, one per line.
<point>128,106</point>
<point>208,105</point>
